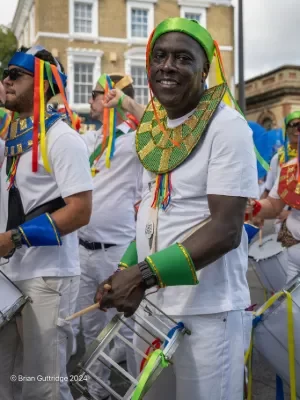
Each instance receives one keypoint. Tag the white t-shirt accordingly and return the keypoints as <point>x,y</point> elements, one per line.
<point>272,173</point>
<point>223,163</point>
<point>68,159</point>
<point>116,190</point>
<point>293,219</point>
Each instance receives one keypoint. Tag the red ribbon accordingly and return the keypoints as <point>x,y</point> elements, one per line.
<point>36,115</point>
<point>156,345</point>
<point>256,209</point>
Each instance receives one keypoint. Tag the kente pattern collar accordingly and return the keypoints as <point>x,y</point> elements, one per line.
<point>161,153</point>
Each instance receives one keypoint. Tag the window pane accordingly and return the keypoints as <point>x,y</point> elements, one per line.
<point>139,23</point>
<point>194,16</point>
<point>83,82</point>
<point>83,17</point>
<point>140,82</point>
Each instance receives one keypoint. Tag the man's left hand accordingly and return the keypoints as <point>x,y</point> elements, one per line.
<point>127,290</point>
<point>6,244</point>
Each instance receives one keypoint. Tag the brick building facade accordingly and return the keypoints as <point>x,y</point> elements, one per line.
<point>272,96</point>
<point>90,37</point>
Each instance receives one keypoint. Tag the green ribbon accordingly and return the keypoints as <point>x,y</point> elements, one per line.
<point>139,390</point>
<point>49,76</point>
<point>98,149</point>
<point>260,159</point>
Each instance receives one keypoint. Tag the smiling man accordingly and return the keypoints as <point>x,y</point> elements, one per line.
<point>199,170</point>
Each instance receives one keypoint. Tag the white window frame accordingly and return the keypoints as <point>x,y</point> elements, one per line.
<point>90,56</point>
<point>26,34</point>
<point>32,24</point>
<point>83,35</point>
<point>204,3</point>
<point>136,56</point>
<point>194,10</point>
<point>147,5</point>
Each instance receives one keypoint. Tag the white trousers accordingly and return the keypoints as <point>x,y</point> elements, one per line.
<point>293,267</point>
<point>96,266</point>
<point>38,343</point>
<point>209,364</point>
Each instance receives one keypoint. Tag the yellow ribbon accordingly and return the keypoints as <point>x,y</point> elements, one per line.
<point>291,345</point>
<point>220,80</point>
<point>42,120</point>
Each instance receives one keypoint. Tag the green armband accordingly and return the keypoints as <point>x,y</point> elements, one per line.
<point>173,266</point>
<point>130,257</point>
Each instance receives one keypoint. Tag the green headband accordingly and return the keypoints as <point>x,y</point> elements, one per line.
<point>189,27</point>
<point>291,116</point>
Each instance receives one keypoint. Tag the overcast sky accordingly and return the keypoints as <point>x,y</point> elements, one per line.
<point>271,32</point>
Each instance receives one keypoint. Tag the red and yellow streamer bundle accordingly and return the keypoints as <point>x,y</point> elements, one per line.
<point>109,127</point>
<point>39,109</point>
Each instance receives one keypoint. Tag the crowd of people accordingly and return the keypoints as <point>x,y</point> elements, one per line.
<point>172,182</point>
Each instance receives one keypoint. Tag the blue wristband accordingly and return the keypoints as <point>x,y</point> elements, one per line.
<point>40,231</point>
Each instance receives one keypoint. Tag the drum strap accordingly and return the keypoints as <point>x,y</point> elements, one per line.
<point>16,215</point>
<point>156,356</point>
<point>291,341</point>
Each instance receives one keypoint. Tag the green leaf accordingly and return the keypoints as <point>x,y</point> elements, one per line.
<point>8,46</point>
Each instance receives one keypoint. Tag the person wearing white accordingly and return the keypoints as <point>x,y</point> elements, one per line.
<point>39,342</point>
<point>212,184</point>
<point>112,226</point>
<point>278,159</point>
<point>293,225</point>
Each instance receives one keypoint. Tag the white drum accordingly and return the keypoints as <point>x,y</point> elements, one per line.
<point>11,300</point>
<point>271,334</point>
<point>161,333</point>
<point>270,260</point>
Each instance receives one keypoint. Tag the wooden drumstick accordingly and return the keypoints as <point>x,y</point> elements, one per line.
<point>87,309</point>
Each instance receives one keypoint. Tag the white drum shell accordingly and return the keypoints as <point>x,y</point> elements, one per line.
<point>11,299</point>
<point>271,335</point>
<point>271,269</point>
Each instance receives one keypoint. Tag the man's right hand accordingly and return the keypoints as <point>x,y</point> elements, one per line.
<point>113,97</point>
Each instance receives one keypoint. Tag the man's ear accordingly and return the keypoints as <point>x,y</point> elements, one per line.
<point>46,86</point>
<point>206,67</point>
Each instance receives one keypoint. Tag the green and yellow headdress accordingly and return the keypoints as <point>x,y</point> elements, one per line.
<point>288,119</point>
<point>202,36</point>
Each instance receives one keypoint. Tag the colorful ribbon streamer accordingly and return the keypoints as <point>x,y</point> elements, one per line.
<point>111,125</point>
<point>42,119</point>
<point>163,190</point>
<point>36,114</point>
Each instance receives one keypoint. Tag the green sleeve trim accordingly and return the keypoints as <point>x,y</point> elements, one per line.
<point>130,257</point>
<point>173,266</point>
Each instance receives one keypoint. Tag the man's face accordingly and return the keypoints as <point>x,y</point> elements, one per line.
<point>293,130</point>
<point>96,103</point>
<point>176,69</point>
<point>18,87</point>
